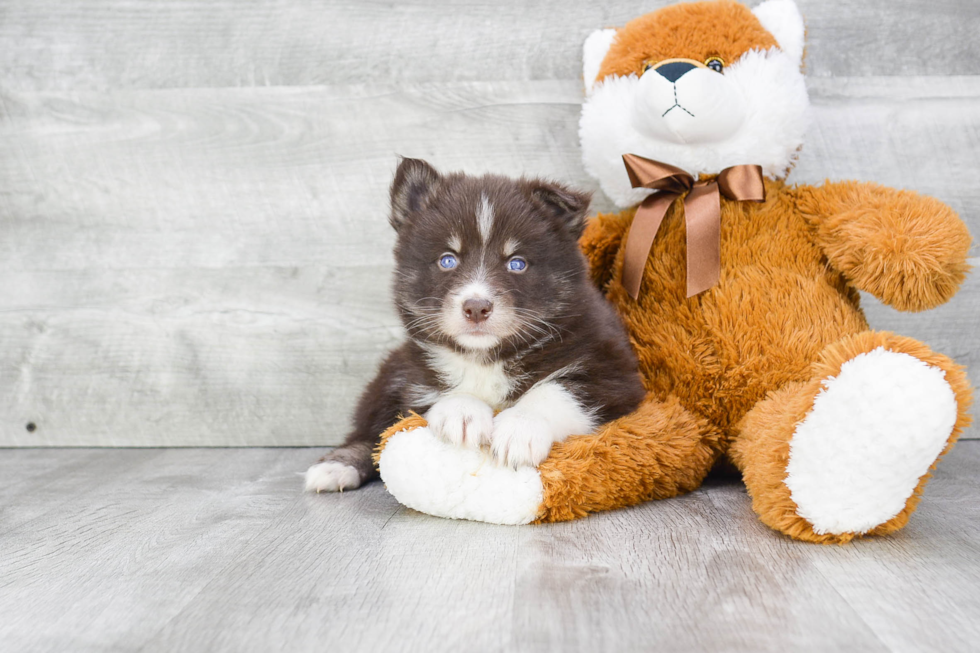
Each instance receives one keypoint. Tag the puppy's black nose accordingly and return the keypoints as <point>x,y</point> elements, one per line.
<point>477,310</point>
<point>674,71</point>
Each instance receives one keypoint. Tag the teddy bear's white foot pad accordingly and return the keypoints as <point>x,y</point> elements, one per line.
<point>435,477</point>
<point>873,432</point>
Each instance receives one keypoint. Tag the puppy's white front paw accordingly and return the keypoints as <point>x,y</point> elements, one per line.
<point>461,420</point>
<point>521,438</point>
<point>331,476</point>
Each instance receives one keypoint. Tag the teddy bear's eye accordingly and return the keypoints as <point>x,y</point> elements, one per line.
<point>716,64</point>
<point>647,66</point>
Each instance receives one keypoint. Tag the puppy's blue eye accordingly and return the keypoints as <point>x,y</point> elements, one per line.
<point>448,262</point>
<point>516,264</point>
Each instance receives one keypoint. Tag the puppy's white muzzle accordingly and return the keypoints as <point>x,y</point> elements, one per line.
<point>702,106</point>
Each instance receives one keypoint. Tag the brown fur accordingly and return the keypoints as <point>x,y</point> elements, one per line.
<point>413,421</point>
<point>657,452</point>
<point>748,356</point>
<point>695,31</point>
<point>762,449</point>
<point>731,372</point>
<point>906,248</point>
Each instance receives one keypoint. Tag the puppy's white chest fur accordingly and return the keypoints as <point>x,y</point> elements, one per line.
<point>469,375</point>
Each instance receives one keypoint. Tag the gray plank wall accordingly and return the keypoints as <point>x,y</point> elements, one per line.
<point>193,246</point>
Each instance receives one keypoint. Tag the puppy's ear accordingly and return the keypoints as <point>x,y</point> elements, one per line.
<point>415,184</point>
<point>559,202</point>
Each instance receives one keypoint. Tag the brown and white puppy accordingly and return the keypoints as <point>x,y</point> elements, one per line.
<point>509,344</point>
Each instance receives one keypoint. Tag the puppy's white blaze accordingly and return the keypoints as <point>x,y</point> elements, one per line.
<point>484,218</point>
<point>331,476</point>
<point>476,289</point>
<point>455,243</point>
<point>469,375</point>
<point>510,246</point>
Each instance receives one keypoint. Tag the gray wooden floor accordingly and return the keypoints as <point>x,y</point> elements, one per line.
<point>218,550</point>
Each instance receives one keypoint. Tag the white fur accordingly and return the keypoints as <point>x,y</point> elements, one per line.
<point>776,114</point>
<point>331,476</point>
<point>461,420</point>
<point>470,375</point>
<point>547,413</point>
<point>593,52</point>
<point>484,218</point>
<point>455,324</point>
<point>455,243</point>
<point>782,19</point>
<point>422,395</point>
<point>700,107</point>
<point>873,432</point>
<point>481,341</point>
<point>510,247</point>
<point>431,476</point>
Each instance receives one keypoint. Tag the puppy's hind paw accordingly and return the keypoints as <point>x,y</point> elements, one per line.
<point>331,476</point>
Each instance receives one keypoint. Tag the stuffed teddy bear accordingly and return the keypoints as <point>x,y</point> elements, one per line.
<point>740,295</point>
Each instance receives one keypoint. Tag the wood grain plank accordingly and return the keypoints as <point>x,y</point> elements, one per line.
<point>210,266</point>
<point>112,44</point>
<point>219,550</point>
<point>409,582</point>
<point>694,573</point>
<point>938,553</point>
<point>251,356</point>
<point>126,557</point>
<point>210,178</point>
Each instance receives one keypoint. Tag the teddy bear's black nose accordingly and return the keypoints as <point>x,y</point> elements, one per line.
<point>674,71</point>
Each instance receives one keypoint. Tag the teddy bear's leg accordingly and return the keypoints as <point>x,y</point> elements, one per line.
<point>660,450</point>
<point>847,453</point>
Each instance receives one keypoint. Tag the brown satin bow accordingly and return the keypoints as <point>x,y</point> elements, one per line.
<point>702,212</point>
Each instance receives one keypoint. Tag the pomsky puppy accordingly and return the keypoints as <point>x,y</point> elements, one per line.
<point>510,346</point>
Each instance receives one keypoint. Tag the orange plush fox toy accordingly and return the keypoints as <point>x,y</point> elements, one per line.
<point>740,295</point>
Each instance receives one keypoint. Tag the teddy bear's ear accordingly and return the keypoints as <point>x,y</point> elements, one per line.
<point>783,20</point>
<point>593,52</point>
<point>569,207</point>
<point>416,182</point>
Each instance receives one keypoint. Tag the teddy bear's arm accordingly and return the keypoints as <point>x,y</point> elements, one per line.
<point>600,242</point>
<point>906,249</point>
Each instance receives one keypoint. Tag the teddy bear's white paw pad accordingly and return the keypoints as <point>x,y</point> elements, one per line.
<point>873,432</point>
<point>461,420</point>
<point>521,438</point>
<point>331,476</point>
<point>430,475</point>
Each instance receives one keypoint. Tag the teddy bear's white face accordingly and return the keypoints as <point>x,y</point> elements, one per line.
<point>687,104</point>
<point>701,116</point>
